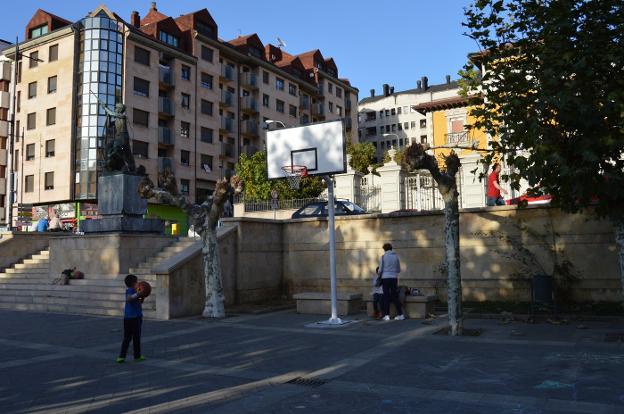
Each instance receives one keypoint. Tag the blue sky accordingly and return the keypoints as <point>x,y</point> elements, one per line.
<point>372,42</point>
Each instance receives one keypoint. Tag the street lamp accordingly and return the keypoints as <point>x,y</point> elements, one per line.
<point>272,121</point>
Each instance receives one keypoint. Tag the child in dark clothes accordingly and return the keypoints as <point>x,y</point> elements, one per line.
<point>377,296</point>
<point>133,319</point>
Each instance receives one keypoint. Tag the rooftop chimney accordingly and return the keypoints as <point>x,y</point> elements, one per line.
<point>135,19</point>
<point>448,79</point>
<point>372,93</point>
<point>425,82</point>
<point>154,6</point>
<point>391,90</point>
<point>386,89</point>
<point>418,85</point>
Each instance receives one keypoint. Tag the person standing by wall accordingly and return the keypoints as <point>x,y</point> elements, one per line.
<point>494,197</point>
<point>389,268</point>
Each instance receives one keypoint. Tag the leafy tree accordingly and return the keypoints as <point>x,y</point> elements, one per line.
<point>253,171</point>
<point>554,88</point>
<point>363,155</point>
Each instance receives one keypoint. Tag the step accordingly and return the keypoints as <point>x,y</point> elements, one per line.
<point>24,275</point>
<point>33,260</point>
<point>80,310</point>
<point>40,256</point>
<point>149,304</point>
<point>20,266</point>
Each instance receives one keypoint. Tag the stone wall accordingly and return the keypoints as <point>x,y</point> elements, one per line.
<point>17,246</point>
<point>495,242</point>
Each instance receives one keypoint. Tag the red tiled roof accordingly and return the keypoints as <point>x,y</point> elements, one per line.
<point>445,103</point>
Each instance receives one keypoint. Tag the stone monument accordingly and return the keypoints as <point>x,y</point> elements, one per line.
<point>119,204</point>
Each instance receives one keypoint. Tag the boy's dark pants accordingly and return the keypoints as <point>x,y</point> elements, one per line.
<point>377,302</point>
<point>132,331</point>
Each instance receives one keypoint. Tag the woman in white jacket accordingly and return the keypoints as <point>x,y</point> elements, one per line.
<point>389,269</point>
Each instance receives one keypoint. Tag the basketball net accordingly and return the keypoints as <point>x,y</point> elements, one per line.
<point>293,174</point>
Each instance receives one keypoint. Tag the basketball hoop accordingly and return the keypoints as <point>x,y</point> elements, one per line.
<point>294,173</point>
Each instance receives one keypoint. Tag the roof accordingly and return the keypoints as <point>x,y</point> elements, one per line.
<point>439,104</point>
<point>431,88</point>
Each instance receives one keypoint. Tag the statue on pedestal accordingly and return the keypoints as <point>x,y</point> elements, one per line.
<point>118,154</point>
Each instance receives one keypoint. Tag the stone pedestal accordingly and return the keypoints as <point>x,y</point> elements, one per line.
<point>121,207</point>
<point>392,185</point>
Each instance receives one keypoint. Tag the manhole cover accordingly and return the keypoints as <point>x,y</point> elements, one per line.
<point>306,382</point>
<point>466,331</point>
<point>614,337</point>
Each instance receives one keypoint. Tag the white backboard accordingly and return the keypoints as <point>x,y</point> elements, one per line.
<point>320,147</point>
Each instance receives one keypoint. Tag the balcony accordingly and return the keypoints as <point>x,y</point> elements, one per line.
<point>318,109</point>
<point>249,80</point>
<point>165,106</point>
<point>3,157</point>
<point>249,104</point>
<point>348,105</point>
<point>5,71</point>
<point>457,138</point>
<point>165,136</point>
<point>249,150</point>
<point>165,77</point>
<point>4,129</point>
<point>227,73</point>
<point>227,126</point>
<point>304,102</point>
<point>165,163</point>
<point>249,127</point>
<point>4,100</point>
<point>348,123</point>
<point>227,150</point>
<point>227,99</point>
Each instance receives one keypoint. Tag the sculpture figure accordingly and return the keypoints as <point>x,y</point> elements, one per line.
<point>118,154</point>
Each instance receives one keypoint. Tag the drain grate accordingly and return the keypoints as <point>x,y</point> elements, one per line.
<point>614,337</point>
<point>307,382</point>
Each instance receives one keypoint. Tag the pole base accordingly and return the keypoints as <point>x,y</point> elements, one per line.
<point>331,323</point>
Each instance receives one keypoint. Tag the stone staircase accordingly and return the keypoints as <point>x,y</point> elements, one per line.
<point>29,286</point>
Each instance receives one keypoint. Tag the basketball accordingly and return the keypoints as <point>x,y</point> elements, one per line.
<point>143,288</point>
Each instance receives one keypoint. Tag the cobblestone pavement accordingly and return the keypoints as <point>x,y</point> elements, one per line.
<point>272,363</point>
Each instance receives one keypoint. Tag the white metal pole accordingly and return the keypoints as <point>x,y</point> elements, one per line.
<point>332,251</point>
<point>418,201</point>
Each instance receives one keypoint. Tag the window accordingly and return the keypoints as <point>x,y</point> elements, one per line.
<point>206,135</point>
<point>330,87</point>
<point>185,157</point>
<point>184,186</point>
<point>206,161</point>
<point>141,56</point>
<point>387,112</point>
<point>405,109</point>
<point>387,128</point>
<point>423,139</point>
<point>405,125</point>
<point>186,101</point>
<point>265,100</point>
<point>339,110</point>
<point>206,80</point>
<point>139,148</point>
<point>31,121</point>
<point>19,101</point>
<point>185,129</point>
<point>169,39</point>
<point>279,106</point>
<point>393,127</point>
<point>399,110</point>
<point>30,152</point>
<point>331,107</point>
<point>393,111</point>
<point>413,124</point>
<point>49,180</point>
<point>33,62</point>
<point>53,53</point>
<point>207,53</point>
<point>141,87</point>
<point>29,185</point>
<point>32,90</point>
<point>339,92</point>
<point>423,123</point>
<point>52,84</point>
<point>399,126</point>
<point>292,110</point>
<point>38,31</point>
<point>265,77</point>
<point>140,117</point>
<point>381,130</point>
<point>51,116</point>
<point>16,159</point>
<point>206,107</point>
<point>292,89</point>
<point>186,72</point>
<point>49,148</point>
<point>279,84</point>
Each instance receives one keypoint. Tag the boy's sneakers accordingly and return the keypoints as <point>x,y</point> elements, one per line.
<point>120,360</point>
<point>386,318</point>
<point>399,317</point>
<point>139,359</point>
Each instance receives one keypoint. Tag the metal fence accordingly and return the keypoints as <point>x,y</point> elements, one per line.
<point>267,205</point>
<point>421,192</point>
<point>369,198</point>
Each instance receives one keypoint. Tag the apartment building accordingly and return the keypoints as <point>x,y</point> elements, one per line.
<point>391,120</point>
<point>194,102</point>
<point>5,83</point>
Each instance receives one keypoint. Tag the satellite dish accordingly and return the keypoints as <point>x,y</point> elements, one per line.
<point>280,43</point>
<point>206,168</point>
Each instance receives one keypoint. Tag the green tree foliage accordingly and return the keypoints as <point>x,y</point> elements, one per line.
<point>400,153</point>
<point>363,155</point>
<point>554,88</point>
<point>253,171</point>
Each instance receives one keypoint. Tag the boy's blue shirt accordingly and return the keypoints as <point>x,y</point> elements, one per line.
<point>133,309</point>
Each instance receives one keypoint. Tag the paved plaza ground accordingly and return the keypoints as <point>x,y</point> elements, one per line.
<point>272,363</point>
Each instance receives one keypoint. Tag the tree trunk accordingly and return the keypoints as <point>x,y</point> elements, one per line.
<point>215,301</point>
<point>619,240</point>
<point>453,264</point>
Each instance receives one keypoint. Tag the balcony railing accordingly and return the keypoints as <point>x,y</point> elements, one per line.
<point>227,98</point>
<point>227,72</point>
<point>249,150</point>
<point>165,136</point>
<point>165,76</point>
<point>227,150</point>
<point>248,103</point>
<point>165,163</point>
<point>318,109</point>
<point>457,137</point>
<point>348,123</point>
<point>227,124</point>
<point>304,102</point>
<point>249,127</point>
<point>249,79</point>
<point>348,104</point>
<point>165,106</point>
